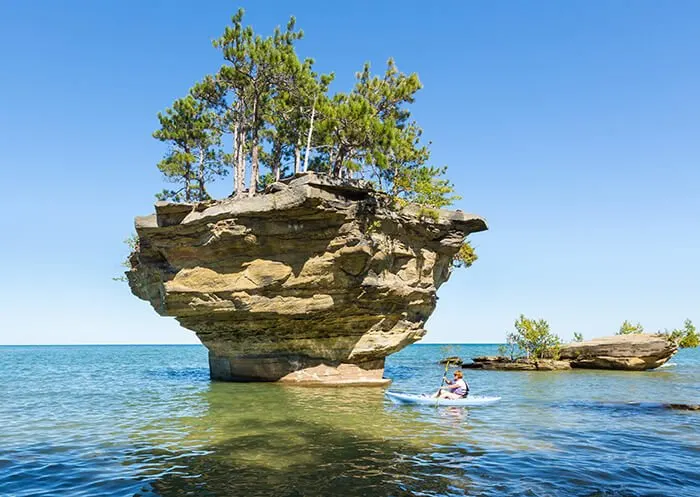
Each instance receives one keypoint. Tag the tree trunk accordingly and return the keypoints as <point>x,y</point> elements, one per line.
<point>308,137</point>
<point>297,158</point>
<point>200,177</point>
<point>254,165</point>
<point>338,164</point>
<point>331,160</point>
<point>234,159</point>
<point>188,195</point>
<point>240,162</point>
<point>277,160</point>
<point>188,178</point>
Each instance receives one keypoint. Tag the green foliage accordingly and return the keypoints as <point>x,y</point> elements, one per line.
<point>627,328</point>
<point>510,349</point>
<point>533,339</point>
<point>466,255</point>
<point>428,213</point>
<point>578,337</point>
<point>423,185</point>
<point>266,181</point>
<point>132,241</point>
<point>373,227</point>
<point>188,126</point>
<point>686,337</point>
<point>275,111</point>
<point>263,80</point>
<point>369,131</point>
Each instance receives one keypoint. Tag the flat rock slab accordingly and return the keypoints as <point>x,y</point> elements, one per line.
<point>622,352</point>
<point>506,364</point>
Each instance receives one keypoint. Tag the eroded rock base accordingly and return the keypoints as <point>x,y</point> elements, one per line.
<point>296,370</point>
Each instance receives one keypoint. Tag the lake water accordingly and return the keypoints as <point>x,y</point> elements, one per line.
<point>146,421</point>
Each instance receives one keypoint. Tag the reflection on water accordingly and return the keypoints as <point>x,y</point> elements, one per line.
<point>146,421</point>
<point>309,441</point>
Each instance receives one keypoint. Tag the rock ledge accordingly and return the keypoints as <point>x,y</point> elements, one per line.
<point>504,363</point>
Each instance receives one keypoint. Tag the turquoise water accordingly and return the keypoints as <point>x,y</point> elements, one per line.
<point>146,421</point>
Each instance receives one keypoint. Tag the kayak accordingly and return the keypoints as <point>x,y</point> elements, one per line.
<point>471,401</point>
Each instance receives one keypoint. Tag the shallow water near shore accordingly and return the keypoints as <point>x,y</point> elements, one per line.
<point>146,421</point>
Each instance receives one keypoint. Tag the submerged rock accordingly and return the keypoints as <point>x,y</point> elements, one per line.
<point>683,407</point>
<point>635,352</point>
<point>315,282</point>
<point>453,360</point>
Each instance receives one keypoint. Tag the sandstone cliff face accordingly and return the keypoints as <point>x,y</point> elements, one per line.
<point>316,281</point>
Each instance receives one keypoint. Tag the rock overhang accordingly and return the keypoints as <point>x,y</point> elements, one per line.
<point>316,274</point>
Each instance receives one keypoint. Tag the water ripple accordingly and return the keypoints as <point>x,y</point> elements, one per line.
<point>146,421</point>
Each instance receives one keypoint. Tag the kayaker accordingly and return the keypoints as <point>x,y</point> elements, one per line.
<point>457,389</point>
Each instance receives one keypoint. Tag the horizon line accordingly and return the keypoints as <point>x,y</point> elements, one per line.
<point>180,344</point>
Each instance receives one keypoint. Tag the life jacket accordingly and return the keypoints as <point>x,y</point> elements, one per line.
<point>466,387</point>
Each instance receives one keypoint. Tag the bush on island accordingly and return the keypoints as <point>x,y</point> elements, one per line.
<point>627,328</point>
<point>686,337</point>
<point>532,339</point>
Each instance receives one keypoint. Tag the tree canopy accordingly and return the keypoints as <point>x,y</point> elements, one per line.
<point>265,108</point>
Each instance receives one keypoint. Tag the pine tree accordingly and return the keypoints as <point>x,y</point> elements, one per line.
<point>188,127</point>
<point>275,110</point>
<point>254,72</point>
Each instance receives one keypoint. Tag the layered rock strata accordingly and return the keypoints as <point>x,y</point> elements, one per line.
<point>621,352</point>
<point>316,281</point>
<point>635,352</point>
<point>504,363</point>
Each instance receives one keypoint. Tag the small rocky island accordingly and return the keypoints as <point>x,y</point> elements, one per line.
<point>637,352</point>
<point>316,281</point>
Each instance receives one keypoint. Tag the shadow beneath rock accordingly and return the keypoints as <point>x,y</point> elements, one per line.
<point>273,440</point>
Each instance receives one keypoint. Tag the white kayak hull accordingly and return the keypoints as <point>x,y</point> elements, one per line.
<point>470,401</point>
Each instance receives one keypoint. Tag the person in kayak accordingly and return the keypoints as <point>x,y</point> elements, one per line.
<point>457,389</point>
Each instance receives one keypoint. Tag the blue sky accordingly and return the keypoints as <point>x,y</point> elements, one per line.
<point>572,127</point>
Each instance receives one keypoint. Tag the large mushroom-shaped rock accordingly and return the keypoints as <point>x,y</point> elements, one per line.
<point>316,281</point>
<point>634,352</point>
